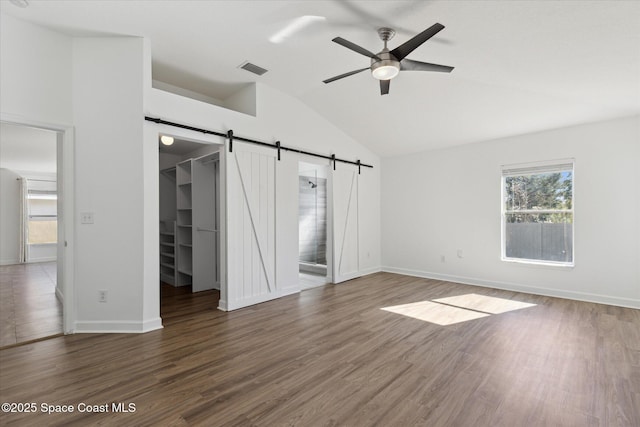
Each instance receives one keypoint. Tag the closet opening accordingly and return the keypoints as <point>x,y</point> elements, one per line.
<point>189,213</point>
<point>313,225</point>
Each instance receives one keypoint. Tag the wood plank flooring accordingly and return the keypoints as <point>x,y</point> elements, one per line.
<point>331,356</point>
<point>309,280</point>
<point>29,309</point>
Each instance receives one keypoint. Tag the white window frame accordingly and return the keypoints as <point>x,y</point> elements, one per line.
<point>520,169</point>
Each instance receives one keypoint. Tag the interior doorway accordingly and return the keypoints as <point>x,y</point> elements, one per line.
<point>313,225</point>
<point>189,213</point>
<point>31,260</point>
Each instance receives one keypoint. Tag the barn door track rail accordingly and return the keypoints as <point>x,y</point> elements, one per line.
<point>277,145</point>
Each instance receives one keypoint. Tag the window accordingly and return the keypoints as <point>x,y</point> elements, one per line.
<point>41,209</point>
<point>43,221</point>
<point>537,213</point>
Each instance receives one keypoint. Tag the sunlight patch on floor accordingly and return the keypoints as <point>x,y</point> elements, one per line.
<point>457,309</point>
<point>434,312</point>
<point>484,303</point>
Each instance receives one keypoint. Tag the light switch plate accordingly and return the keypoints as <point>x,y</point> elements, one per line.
<point>86,218</point>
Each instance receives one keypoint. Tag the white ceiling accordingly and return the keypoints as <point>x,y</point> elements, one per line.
<point>520,66</point>
<point>26,149</point>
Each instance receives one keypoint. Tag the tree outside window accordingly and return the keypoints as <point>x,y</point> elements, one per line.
<point>538,213</point>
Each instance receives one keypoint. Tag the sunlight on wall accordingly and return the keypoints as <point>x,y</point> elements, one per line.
<point>457,309</point>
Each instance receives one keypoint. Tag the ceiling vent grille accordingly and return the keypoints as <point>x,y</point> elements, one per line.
<point>253,68</point>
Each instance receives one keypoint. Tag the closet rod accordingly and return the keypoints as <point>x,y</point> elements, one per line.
<point>277,145</point>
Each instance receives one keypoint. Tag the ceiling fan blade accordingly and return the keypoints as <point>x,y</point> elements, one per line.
<point>409,65</point>
<point>384,87</point>
<point>354,47</point>
<point>410,45</point>
<point>341,76</point>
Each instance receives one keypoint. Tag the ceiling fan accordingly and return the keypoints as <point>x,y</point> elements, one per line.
<point>386,64</point>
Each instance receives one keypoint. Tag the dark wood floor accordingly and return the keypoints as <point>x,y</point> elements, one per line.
<point>333,356</point>
<point>29,309</point>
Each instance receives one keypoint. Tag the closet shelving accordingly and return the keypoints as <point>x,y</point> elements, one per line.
<point>189,234</point>
<point>184,223</point>
<point>168,252</point>
<point>168,259</point>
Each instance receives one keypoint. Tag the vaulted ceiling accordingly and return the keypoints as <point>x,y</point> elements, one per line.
<point>520,66</point>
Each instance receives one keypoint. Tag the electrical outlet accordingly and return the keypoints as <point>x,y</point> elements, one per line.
<point>442,258</point>
<point>102,295</point>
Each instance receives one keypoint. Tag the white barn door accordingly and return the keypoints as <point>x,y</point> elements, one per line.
<point>255,255</point>
<point>261,222</point>
<point>261,216</point>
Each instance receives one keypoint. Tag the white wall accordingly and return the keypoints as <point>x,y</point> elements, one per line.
<point>9,217</point>
<point>43,252</point>
<point>437,202</point>
<point>35,72</point>
<point>109,76</point>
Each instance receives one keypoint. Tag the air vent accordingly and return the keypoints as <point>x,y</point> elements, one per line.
<point>253,68</point>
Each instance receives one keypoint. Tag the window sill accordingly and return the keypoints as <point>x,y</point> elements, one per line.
<point>541,264</point>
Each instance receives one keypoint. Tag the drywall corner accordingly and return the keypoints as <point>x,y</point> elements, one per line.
<point>243,101</point>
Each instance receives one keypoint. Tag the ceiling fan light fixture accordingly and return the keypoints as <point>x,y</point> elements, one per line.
<point>166,139</point>
<point>385,69</point>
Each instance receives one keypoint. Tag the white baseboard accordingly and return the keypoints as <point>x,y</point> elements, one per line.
<point>43,259</point>
<point>558,293</point>
<point>152,324</point>
<point>31,261</point>
<point>117,327</point>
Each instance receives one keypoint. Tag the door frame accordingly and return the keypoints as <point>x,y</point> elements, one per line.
<point>156,131</point>
<point>65,174</point>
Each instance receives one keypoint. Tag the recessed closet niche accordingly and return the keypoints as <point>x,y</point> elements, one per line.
<point>189,215</point>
